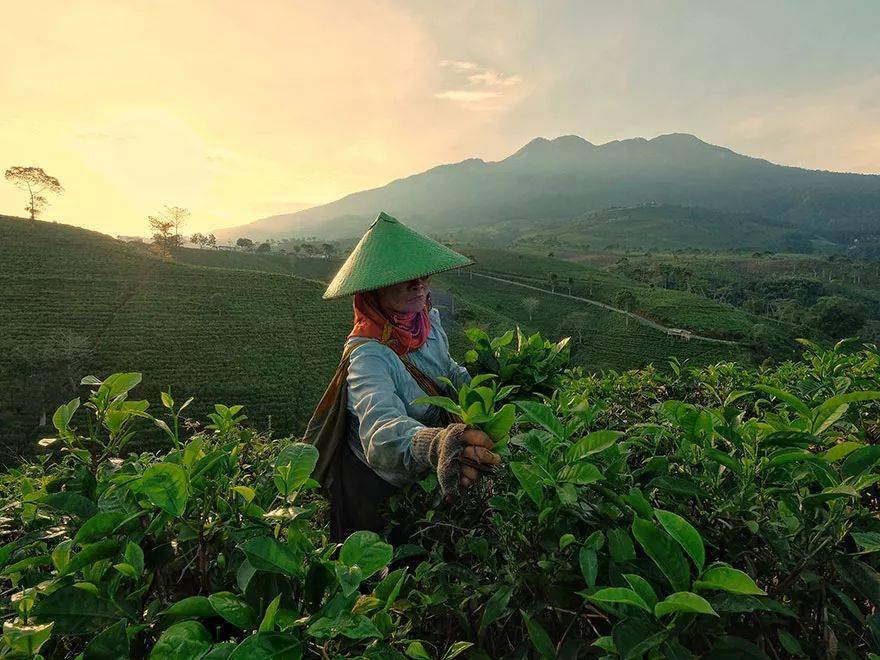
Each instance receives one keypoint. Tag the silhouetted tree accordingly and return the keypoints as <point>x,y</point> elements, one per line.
<point>162,235</point>
<point>211,240</point>
<point>245,244</point>
<point>264,247</point>
<point>531,305</point>
<point>34,181</point>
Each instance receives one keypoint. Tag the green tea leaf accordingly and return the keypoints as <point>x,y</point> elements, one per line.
<point>165,486</point>
<point>589,563</point>
<point>75,611</point>
<point>726,578</point>
<point>663,551</point>
<point>684,601</point>
<point>112,642</point>
<point>500,424</point>
<point>267,554</point>
<point>582,473</point>
<point>234,609</point>
<point>685,534</point>
<point>540,639</point>
<point>496,606</point>
<point>367,551</point>
<point>456,650</point>
<point>302,458</point>
<point>99,526</point>
<point>619,596</point>
<point>643,588</point>
<point>72,504</point>
<point>194,606</point>
<point>530,480</point>
<point>90,554</point>
<point>543,416</point>
<point>592,443</point>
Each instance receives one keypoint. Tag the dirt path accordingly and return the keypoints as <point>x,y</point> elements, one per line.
<point>675,332</point>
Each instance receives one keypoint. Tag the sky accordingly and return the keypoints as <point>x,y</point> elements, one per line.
<point>240,110</point>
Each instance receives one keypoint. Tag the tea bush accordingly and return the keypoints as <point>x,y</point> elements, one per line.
<point>691,511</point>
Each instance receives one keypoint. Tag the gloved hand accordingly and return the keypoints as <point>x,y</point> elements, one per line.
<point>449,450</point>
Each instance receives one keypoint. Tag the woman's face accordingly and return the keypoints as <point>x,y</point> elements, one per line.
<point>406,297</point>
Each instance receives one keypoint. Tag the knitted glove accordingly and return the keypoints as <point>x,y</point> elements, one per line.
<point>440,448</point>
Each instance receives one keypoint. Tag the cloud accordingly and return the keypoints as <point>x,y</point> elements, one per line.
<point>494,79</point>
<point>467,95</point>
<point>472,85</point>
<point>459,65</point>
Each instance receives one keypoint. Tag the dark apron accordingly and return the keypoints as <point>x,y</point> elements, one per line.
<point>358,496</point>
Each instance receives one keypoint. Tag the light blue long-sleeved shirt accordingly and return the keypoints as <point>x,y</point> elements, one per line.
<point>382,418</point>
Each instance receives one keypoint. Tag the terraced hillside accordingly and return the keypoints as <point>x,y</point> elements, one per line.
<point>78,302</point>
<point>602,339</point>
<point>679,309</point>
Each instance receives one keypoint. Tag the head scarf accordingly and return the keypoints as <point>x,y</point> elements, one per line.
<point>401,332</point>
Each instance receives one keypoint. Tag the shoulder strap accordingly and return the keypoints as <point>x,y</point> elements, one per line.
<point>424,380</point>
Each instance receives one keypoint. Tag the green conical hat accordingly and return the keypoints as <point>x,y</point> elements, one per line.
<point>389,253</point>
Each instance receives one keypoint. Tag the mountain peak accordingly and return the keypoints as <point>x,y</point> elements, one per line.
<point>679,138</point>
<point>563,143</point>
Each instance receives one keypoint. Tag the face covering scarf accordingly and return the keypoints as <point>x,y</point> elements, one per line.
<point>401,332</point>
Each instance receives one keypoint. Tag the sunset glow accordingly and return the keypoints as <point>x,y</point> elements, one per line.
<point>241,110</point>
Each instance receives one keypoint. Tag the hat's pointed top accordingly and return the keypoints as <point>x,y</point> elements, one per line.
<point>384,216</point>
<point>389,253</point>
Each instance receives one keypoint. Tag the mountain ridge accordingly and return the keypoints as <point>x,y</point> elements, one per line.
<point>563,177</point>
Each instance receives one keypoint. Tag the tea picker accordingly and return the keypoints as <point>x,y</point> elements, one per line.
<point>372,438</point>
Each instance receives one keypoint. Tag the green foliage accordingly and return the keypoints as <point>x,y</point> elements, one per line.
<point>705,511</point>
<point>534,364</point>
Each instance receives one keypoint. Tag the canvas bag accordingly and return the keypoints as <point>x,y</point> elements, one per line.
<point>327,429</point>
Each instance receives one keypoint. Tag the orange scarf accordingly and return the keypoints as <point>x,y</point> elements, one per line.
<point>401,332</point>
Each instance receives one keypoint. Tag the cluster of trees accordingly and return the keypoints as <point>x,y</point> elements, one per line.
<point>166,228</point>
<point>288,246</point>
<point>203,240</point>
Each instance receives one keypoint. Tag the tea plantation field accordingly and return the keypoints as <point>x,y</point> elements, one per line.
<point>600,339</point>
<point>77,302</point>
<point>673,308</point>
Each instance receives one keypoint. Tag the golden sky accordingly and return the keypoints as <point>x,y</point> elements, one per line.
<point>239,110</point>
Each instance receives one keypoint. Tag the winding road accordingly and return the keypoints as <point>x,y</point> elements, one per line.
<point>675,332</point>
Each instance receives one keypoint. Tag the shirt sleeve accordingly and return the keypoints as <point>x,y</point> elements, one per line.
<point>386,430</point>
<point>454,371</point>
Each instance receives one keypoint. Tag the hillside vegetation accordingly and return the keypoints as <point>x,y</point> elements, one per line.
<point>77,301</point>
<point>660,227</point>
<point>679,309</point>
<point>608,340</point>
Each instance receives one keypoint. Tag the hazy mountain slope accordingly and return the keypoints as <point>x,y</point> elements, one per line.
<point>564,178</point>
<point>663,227</point>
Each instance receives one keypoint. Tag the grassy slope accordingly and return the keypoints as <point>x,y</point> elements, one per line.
<point>674,308</point>
<point>601,339</point>
<point>263,340</point>
<point>608,340</point>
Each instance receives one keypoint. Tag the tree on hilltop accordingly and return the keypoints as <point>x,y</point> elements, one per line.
<point>166,228</point>
<point>245,244</point>
<point>34,181</point>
